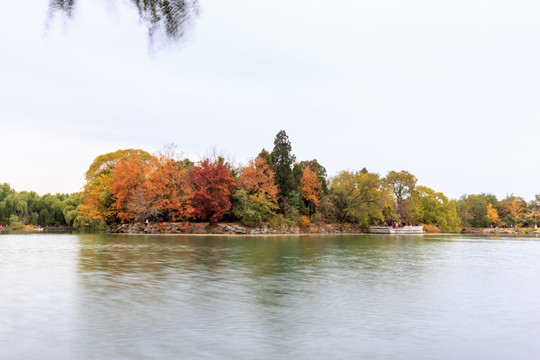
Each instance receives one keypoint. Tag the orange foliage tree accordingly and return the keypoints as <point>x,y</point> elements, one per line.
<point>258,179</point>
<point>148,189</point>
<point>169,190</point>
<point>256,199</point>
<point>98,200</point>
<point>311,189</point>
<point>212,184</point>
<point>127,184</point>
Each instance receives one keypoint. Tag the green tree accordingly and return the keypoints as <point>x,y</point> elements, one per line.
<point>14,222</point>
<point>435,208</point>
<point>267,157</point>
<point>70,209</point>
<point>472,209</point>
<point>402,184</point>
<point>31,208</point>
<point>282,160</point>
<point>252,210</point>
<point>357,197</point>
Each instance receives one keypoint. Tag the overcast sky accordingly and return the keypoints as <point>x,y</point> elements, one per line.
<point>448,90</point>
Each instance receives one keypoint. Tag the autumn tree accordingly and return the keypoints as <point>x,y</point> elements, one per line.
<point>212,184</point>
<point>402,185</point>
<point>533,208</point>
<point>127,186</point>
<point>148,190</point>
<point>167,190</point>
<point>513,209</point>
<point>257,196</point>
<point>98,203</point>
<point>311,189</point>
<point>492,214</point>
<point>319,170</point>
<point>104,164</point>
<point>259,178</point>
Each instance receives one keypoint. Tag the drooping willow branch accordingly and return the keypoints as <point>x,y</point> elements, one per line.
<point>169,18</point>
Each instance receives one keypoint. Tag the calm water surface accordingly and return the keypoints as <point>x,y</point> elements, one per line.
<point>96,296</point>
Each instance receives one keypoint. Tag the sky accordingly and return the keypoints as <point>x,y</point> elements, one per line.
<point>447,90</point>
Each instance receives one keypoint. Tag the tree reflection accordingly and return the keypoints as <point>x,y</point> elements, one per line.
<point>165,19</point>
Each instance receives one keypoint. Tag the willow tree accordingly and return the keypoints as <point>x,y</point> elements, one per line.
<point>163,18</point>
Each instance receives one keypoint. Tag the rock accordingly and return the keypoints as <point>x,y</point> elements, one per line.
<point>239,229</point>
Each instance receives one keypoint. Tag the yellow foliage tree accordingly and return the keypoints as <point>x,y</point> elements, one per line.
<point>515,210</point>
<point>492,214</point>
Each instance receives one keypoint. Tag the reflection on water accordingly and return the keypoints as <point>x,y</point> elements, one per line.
<point>101,296</point>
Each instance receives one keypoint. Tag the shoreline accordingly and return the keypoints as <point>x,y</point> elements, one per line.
<point>187,228</point>
<point>236,229</point>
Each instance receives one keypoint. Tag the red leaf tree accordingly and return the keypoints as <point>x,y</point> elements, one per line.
<point>212,184</point>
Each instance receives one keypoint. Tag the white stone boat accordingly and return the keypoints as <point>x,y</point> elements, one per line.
<point>397,230</point>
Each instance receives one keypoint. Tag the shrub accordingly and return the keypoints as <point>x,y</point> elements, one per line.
<point>304,222</point>
<point>14,222</point>
<point>431,229</point>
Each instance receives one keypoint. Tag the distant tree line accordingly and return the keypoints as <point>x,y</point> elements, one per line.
<point>272,189</point>
<point>485,210</point>
<point>28,208</point>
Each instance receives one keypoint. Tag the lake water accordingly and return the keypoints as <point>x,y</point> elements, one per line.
<point>97,296</point>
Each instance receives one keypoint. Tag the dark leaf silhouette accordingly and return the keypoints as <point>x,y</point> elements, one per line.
<point>165,19</point>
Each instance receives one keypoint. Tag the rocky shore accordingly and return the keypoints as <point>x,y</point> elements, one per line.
<point>225,229</point>
<point>238,229</point>
<point>503,231</point>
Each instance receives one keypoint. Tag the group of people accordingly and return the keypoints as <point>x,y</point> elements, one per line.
<point>161,219</point>
<point>395,224</point>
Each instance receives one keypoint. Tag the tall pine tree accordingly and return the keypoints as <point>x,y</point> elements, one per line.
<point>283,160</point>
